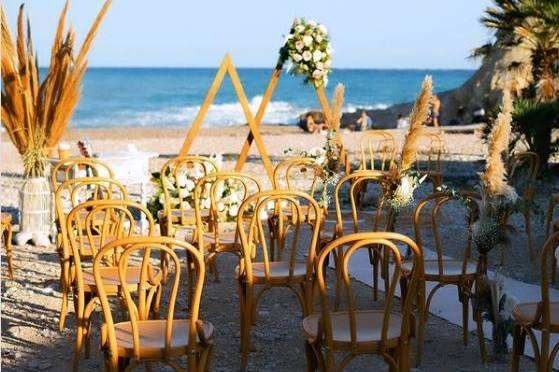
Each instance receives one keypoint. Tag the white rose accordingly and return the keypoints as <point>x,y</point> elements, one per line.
<point>297,57</point>
<point>181,180</point>
<point>184,193</point>
<point>312,23</point>
<point>320,65</point>
<point>220,206</point>
<point>299,45</point>
<point>190,185</point>
<point>317,55</point>
<point>234,210</point>
<point>323,29</point>
<point>307,55</point>
<point>299,28</point>
<point>318,38</point>
<point>307,40</point>
<point>317,74</point>
<point>206,204</point>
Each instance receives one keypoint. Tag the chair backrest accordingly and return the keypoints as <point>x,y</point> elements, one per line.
<point>378,147</point>
<point>221,194</point>
<point>523,169</point>
<point>296,212</point>
<point>143,253</point>
<point>549,251</point>
<point>91,225</point>
<point>463,206</point>
<point>430,150</point>
<point>351,185</point>
<point>71,168</point>
<point>355,247</point>
<point>78,190</point>
<point>297,174</point>
<point>178,179</point>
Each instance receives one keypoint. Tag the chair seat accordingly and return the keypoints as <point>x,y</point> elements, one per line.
<point>527,314</point>
<point>111,279</point>
<point>87,251</point>
<point>368,326</point>
<point>451,268</point>
<point>225,237</point>
<point>152,337</point>
<point>279,271</point>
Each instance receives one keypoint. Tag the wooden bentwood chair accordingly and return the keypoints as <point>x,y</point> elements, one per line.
<point>91,226</point>
<point>219,196</point>
<point>429,157</point>
<point>7,239</point>
<point>141,340</point>
<point>67,196</point>
<point>553,202</point>
<point>178,178</point>
<point>378,150</point>
<point>262,267</point>
<point>523,169</point>
<point>356,330</point>
<point>542,316</point>
<point>461,272</point>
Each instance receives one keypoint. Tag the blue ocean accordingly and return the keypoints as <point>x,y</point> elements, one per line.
<point>172,96</point>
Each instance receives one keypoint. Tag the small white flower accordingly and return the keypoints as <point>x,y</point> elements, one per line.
<point>299,45</point>
<point>320,65</point>
<point>307,55</point>
<point>184,193</point>
<point>234,210</point>
<point>307,40</point>
<point>190,185</point>
<point>317,55</point>
<point>206,204</point>
<point>181,180</point>
<point>317,74</point>
<point>323,29</point>
<point>175,202</point>
<point>299,28</point>
<point>220,206</point>
<point>318,38</point>
<point>297,57</point>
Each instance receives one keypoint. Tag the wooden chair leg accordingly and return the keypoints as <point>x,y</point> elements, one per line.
<point>549,216</point>
<point>481,337</point>
<point>246,323</point>
<point>404,357</point>
<point>312,362</point>
<point>8,242</point>
<point>465,301</point>
<point>528,227</point>
<point>518,342</point>
<point>422,316</point>
<point>65,288</point>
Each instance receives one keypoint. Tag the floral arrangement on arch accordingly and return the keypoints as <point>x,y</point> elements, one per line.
<point>327,158</point>
<point>307,48</point>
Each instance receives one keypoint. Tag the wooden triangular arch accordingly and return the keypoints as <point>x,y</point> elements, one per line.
<point>227,66</point>
<point>322,99</point>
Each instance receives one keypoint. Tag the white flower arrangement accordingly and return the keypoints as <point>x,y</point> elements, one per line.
<point>308,49</point>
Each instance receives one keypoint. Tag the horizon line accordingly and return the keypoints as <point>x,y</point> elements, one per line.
<point>269,68</point>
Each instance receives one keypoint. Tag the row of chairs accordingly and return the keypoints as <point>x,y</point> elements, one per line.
<point>289,209</point>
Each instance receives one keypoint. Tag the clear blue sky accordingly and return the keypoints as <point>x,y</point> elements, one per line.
<point>364,33</point>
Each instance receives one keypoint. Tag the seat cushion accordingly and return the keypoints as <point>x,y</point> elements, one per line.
<point>368,326</point>
<point>527,314</point>
<point>152,337</point>
<point>451,268</point>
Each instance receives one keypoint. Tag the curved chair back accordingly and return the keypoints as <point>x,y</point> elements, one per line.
<point>283,208</point>
<point>351,248</point>
<point>430,150</point>
<point>378,150</point>
<point>351,185</point>
<point>544,313</point>
<point>146,250</point>
<point>78,190</point>
<point>221,194</point>
<point>434,204</point>
<point>68,169</point>
<point>178,179</point>
<point>525,166</point>
<point>297,174</point>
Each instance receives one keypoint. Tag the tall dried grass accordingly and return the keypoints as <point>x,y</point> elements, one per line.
<point>418,117</point>
<point>494,177</point>
<point>36,114</point>
<point>337,104</point>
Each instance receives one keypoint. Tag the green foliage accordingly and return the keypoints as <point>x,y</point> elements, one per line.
<point>533,122</point>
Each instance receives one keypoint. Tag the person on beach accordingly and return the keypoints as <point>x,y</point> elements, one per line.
<point>435,111</point>
<point>364,122</point>
<point>309,123</point>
